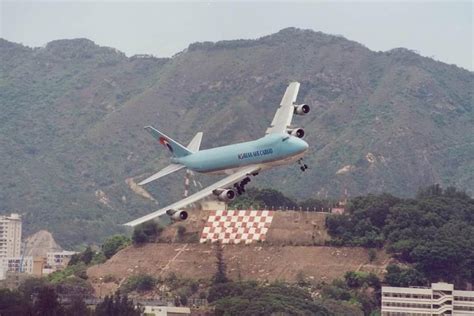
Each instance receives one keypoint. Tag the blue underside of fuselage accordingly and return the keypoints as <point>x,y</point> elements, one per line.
<point>270,148</point>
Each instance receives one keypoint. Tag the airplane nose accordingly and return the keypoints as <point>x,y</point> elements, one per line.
<point>304,145</point>
<point>301,145</point>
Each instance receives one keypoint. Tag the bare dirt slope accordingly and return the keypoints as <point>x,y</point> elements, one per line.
<point>294,245</point>
<point>257,261</point>
<point>40,243</point>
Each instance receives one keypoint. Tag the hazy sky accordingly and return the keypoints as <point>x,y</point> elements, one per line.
<point>442,30</point>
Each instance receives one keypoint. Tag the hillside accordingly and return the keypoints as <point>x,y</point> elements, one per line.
<point>293,245</point>
<point>72,113</point>
<point>255,262</point>
<point>40,243</point>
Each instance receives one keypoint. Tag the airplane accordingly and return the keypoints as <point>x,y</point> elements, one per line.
<point>281,145</point>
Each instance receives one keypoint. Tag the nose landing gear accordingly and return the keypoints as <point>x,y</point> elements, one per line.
<point>303,166</point>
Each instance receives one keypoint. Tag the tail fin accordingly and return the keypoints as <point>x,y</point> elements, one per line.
<point>173,146</point>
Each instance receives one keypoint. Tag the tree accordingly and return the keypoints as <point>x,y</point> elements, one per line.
<point>46,303</point>
<point>113,244</point>
<point>267,197</point>
<point>273,299</point>
<point>77,307</point>
<point>139,283</point>
<point>397,276</point>
<point>221,274</point>
<point>87,255</point>
<point>146,232</point>
<point>372,254</point>
<point>430,191</point>
<point>433,232</point>
<point>31,286</point>
<point>14,303</point>
<point>312,204</point>
<point>357,279</point>
<point>180,232</point>
<point>118,305</point>
<point>139,237</point>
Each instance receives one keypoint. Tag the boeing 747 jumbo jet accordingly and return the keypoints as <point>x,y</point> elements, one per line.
<point>281,145</point>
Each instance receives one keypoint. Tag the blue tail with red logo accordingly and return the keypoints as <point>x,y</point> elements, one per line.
<point>176,149</point>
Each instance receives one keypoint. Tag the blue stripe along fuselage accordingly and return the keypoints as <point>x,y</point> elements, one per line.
<point>273,147</point>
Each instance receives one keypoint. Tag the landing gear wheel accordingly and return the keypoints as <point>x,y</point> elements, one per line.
<point>238,189</point>
<point>303,166</point>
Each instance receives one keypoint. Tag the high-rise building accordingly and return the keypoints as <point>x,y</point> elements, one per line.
<point>10,236</point>
<point>440,299</point>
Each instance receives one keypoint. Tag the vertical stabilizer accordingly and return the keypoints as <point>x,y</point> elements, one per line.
<point>195,143</point>
<point>173,146</point>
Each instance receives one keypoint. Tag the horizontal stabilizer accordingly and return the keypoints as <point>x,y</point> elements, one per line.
<point>166,171</point>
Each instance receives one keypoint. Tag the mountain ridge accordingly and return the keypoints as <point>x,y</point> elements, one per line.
<point>72,117</point>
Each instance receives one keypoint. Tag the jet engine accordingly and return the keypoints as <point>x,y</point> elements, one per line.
<point>298,132</point>
<point>302,109</point>
<point>225,195</point>
<point>177,215</point>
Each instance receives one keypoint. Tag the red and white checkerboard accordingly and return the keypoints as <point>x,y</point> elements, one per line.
<point>236,226</point>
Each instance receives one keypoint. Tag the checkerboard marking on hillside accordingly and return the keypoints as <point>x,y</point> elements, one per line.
<point>236,226</point>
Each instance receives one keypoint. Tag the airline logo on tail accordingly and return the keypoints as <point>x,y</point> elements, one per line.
<point>164,142</point>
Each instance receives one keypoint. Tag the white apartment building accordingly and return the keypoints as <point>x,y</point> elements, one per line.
<point>10,236</point>
<point>440,299</point>
<point>58,260</point>
<point>15,264</point>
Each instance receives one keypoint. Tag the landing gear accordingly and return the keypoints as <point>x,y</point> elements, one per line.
<point>303,166</point>
<point>240,186</point>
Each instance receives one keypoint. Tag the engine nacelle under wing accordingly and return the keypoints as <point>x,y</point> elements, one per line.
<point>177,215</point>
<point>298,132</point>
<point>225,195</point>
<point>302,109</point>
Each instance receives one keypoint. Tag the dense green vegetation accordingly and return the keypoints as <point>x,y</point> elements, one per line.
<point>434,232</point>
<point>76,271</point>
<point>40,297</point>
<point>273,199</point>
<point>356,294</point>
<point>249,298</point>
<point>146,232</point>
<point>352,296</point>
<point>117,305</point>
<point>399,276</point>
<point>139,283</point>
<point>357,289</point>
<point>113,244</point>
<point>44,300</point>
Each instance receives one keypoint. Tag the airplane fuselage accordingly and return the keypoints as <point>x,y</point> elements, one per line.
<point>270,150</point>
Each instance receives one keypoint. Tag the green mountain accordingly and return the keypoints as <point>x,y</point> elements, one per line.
<point>72,112</point>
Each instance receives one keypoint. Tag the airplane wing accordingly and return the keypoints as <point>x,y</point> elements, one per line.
<point>224,183</point>
<point>284,114</point>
